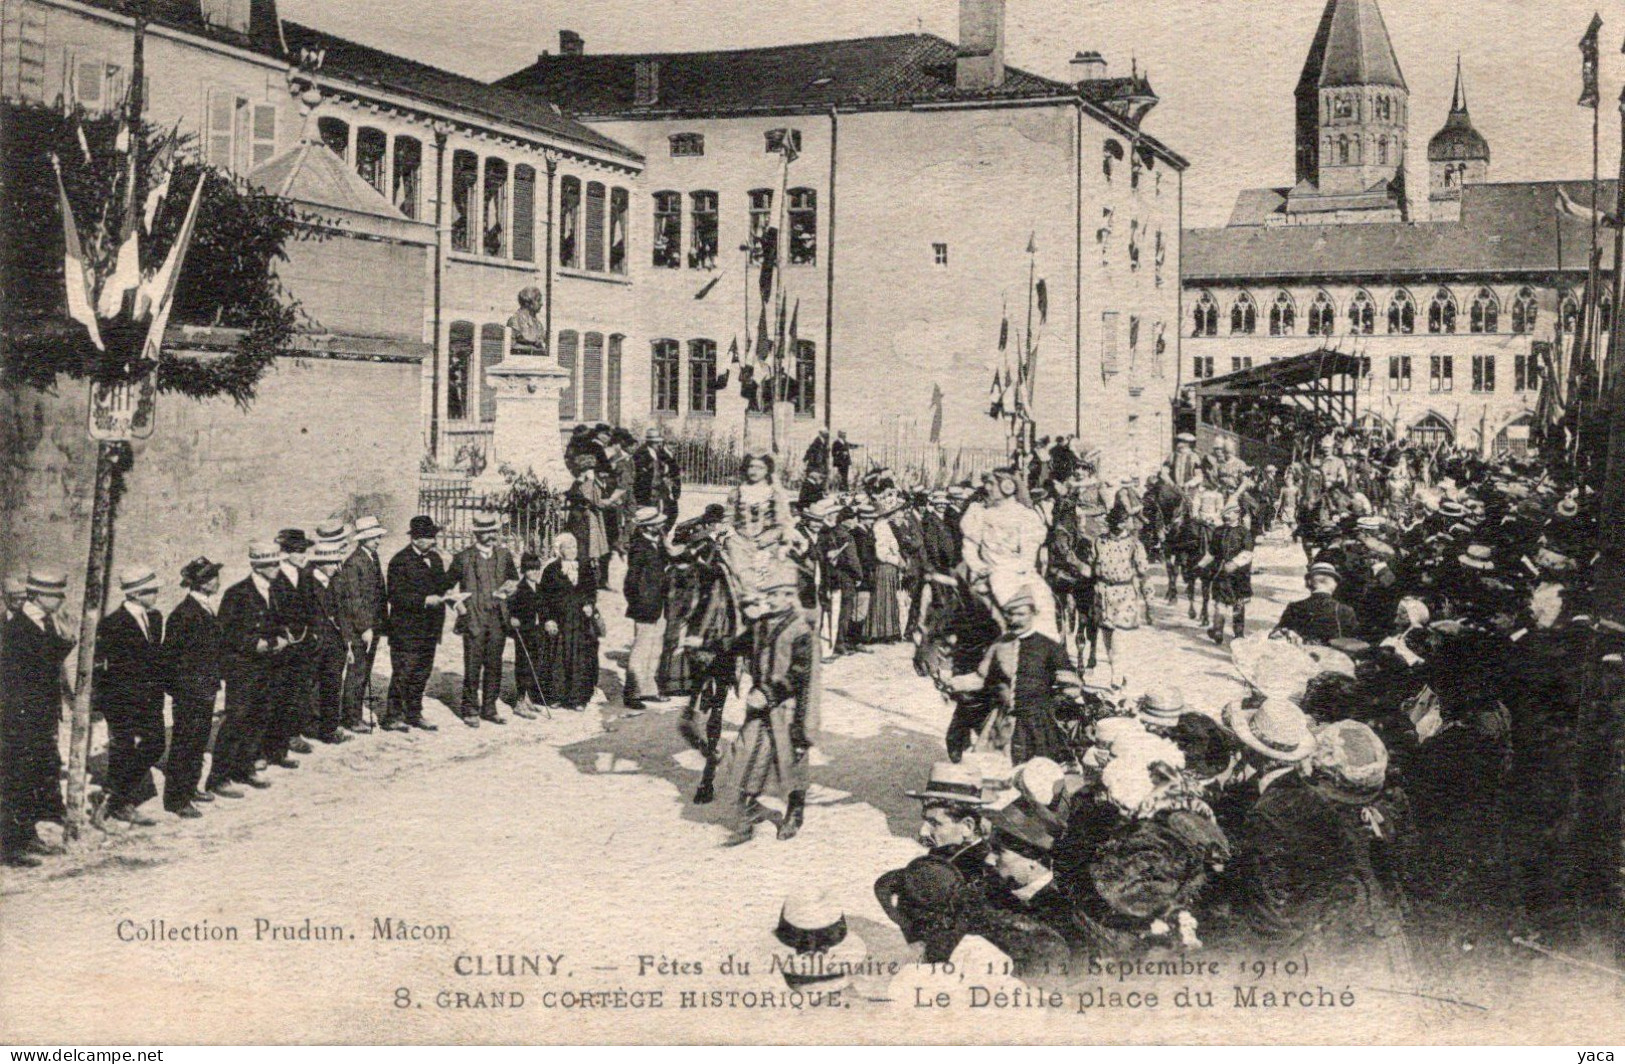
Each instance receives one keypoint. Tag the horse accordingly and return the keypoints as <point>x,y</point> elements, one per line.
<point>714,629</point>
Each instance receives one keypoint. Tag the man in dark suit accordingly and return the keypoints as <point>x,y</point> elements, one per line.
<point>192,658</point>
<point>328,649</point>
<point>646,586</point>
<point>656,480</point>
<point>293,698</point>
<point>417,585</point>
<point>360,584</point>
<point>1021,854</point>
<point>481,571</point>
<point>252,636</point>
<point>35,644</point>
<point>1320,618</point>
<point>129,694</point>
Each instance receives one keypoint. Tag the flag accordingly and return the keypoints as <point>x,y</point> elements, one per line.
<point>1588,63</point>
<point>1032,243</point>
<point>764,342</point>
<point>73,266</point>
<point>706,290</point>
<point>158,291</point>
<point>1582,212</point>
<point>780,142</point>
<point>160,191</point>
<point>126,277</point>
<point>1004,332</point>
<point>733,353</point>
<point>1043,302</point>
<point>936,413</point>
<point>84,145</point>
<point>770,259</point>
<point>795,316</point>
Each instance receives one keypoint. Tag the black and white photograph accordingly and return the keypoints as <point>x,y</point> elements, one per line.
<point>953,522</point>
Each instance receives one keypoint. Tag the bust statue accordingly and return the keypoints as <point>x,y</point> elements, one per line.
<point>529,335</point>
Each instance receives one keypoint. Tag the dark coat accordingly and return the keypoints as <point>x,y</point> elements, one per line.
<point>482,612</point>
<point>326,608</point>
<point>839,560</point>
<point>30,708</point>
<point>413,578</point>
<point>941,548</point>
<point>193,649</point>
<point>646,581</point>
<point>296,605</point>
<point>656,480</point>
<point>130,675</point>
<point>362,603</point>
<point>245,619</point>
<point>1320,619</point>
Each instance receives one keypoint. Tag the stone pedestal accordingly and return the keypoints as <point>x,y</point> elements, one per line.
<point>527,421</point>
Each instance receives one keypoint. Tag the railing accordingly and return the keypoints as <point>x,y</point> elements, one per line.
<point>720,460</point>
<point>529,520</point>
<point>466,446</point>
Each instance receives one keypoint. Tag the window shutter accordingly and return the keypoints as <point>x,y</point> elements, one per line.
<point>1108,343</point>
<point>222,107</point>
<point>263,134</point>
<point>491,341</point>
<point>567,362</point>
<point>592,377</point>
<point>524,214</point>
<point>595,226</point>
<point>612,382</point>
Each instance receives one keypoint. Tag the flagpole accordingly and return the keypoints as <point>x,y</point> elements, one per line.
<point>1027,341</point>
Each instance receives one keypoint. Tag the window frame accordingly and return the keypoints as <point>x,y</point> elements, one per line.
<point>1401,313</point>
<point>705,229</point>
<point>801,217</point>
<point>665,377</point>
<point>702,376</point>
<point>1243,314</point>
<point>569,238</point>
<point>666,249</point>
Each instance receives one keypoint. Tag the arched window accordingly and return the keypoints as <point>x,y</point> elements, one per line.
<point>1243,315</point>
<point>1431,430</point>
<point>1322,315</point>
<point>761,219</point>
<point>665,376</point>
<point>492,337</point>
<point>668,231</point>
<point>1442,312</point>
<point>1111,150</point>
<point>1362,314</point>
<point>494,239</point>
<point>570,223</point>
<point>1568,313</point>
<point>408,178</point>
<point>1342,149</point>
<point>1401,313</point>
<point>459,369</point>
<point>1382,151</point>
<point>465,185</point>
<point>1484,316</point>
<point>370,147</point>
<point>569,344</point>
<point>1207,316</point>
<point>619,203</point>
<point>592,377</point>
<point>335,134</point>
<point>1283,315</point>
<point>1525,309</point>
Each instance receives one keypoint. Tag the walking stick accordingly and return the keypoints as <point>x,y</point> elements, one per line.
<point>523,649</point>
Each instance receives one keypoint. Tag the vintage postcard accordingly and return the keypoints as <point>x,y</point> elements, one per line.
<point>951,521</point>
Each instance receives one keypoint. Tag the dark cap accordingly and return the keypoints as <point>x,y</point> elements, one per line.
<point>294,540</point>
<point>199,571</point>
<point>422,527</point>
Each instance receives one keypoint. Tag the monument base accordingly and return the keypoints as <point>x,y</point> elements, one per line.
<point>526,438</point>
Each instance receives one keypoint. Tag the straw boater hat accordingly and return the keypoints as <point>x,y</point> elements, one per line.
<point>332,531</point>
<point>263,553</point>
<point>199,571</point>
<point>136,579</point>
<point>648,515</point>
<point>817,950</point>
<point>1451,508</point>
<point>487,522</point>
<point>47,582</point>
<point>1478,557</point>
<point>824,510</point>
<point>16,584</point>
<point>1277,729</point>
<point>952,783</point>
<point>1350,763</point>
<point>328,554</point>
<point>1185,437</point>
<point>368,528</point>
<point>1162,706</point>
<point>1325,569</point>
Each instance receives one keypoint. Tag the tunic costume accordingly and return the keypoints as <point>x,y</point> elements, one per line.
<point>1003,541</point>
<point>1120,564</point>
<point>782,657</point>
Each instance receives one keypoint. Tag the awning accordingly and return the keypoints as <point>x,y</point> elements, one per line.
<point>1306,374</point>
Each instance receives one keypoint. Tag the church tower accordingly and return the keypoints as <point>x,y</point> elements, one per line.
<point>1352,112</point>
<point>1457,155</point>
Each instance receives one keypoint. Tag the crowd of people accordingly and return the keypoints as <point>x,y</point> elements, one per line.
<point>1415,733</point>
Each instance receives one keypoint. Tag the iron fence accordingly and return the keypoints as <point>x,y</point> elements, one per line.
<point>719,461</point>
<point>530,520</point>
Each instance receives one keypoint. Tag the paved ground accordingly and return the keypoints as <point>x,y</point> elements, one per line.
<point>567,840</point>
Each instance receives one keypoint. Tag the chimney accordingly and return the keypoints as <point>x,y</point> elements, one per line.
<point>981,45</point>
<point>1088,66</point>
<point>646,90</point>
<point>570,43</point>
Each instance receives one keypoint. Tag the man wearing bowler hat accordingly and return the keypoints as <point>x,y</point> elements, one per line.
<point>35,644</point>
<point>192,652</point>
<point>1320,618</point>
<point>482,571</point>
<point>417,586</point>
<point>293,704</point>
<point>129,694</point>
<point>360,590</point>
<point>252,636</point>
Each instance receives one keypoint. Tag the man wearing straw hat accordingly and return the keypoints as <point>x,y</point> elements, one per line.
<point>646,587</point>
<point>486,573</point>
<point>252,637</point>
<point>193,652</point>
<point>293,705</point>
<point>329,649</point>
<point>35,645</point>
<point>360,588</point>
<point>129,694</point>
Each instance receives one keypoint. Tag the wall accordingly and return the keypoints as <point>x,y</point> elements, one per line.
<point>324,437</point>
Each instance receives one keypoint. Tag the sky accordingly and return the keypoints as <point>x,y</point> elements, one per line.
<point>1224,69</point>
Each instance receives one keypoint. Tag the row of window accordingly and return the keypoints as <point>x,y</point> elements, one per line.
<point>391,164</point>
<point>1351,149</point>
<point>1349,107</point>
<point>801,215</point>
<point>1140,163</point>
<point>1483,316</point>
<point>1441,372</point>
<point>666,394</point>
<point>774,141</point>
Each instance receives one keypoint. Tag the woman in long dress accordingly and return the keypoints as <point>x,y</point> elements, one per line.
<point>587,500</point>
<point>884,623</point>
<point>525,616</point>
<point>569,594</point>
<point>1120,575</point>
